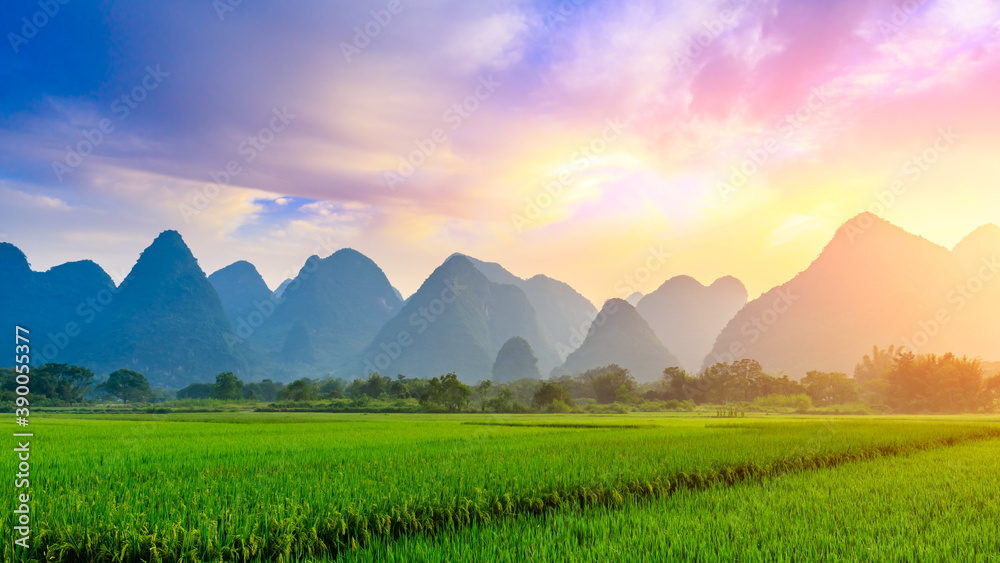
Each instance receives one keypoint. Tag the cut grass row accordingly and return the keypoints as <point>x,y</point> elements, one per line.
<point>935,505</point>
<point>248,487</point>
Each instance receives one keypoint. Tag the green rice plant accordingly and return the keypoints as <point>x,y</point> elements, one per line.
<point>931,505</point>
<point>296,486</point>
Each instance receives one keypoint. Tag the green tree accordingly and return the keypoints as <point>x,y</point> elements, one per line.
<point>446,392</point>
<point>502,402</point>
<point>830,388</point>
<point>58,382</point>
<point>607,382</point>
<point>931,383</point>
<point>374,387</point>
<point>399,389</point>
<point>331,388</point>
<point>196,391</point>
<point>872,373</point>
<point>227,387</point>
<point>678,385</point>
<point>128,385</point>
<point>481,392</point>
<point>266,390</point>
<point>990,398</point>
<point>742,380</point>
<point>299,390</point>
<point>549,393</point>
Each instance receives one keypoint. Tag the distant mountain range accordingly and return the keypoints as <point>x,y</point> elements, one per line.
<point>239,286</point>
<point>619,335</point>
<point>688,316</point>
<point>45,302</point>
<point>165,320</point>
<point>456,322</point>
<point>873,284</point>
<point>561,310</point>
<point>340,302</point>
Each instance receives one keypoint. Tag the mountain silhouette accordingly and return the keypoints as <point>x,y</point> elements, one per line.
<point>57,306</point>
<point>341,300</point>
<point>166,321</point>
<point>978,248</point>
<point>688,316</point>
<point>281,288</point>
<point>561,310</point>
<point>515,360</point>
<point>619,335</point>
<point>975,301</point>
<point>457,321</point>
<point>874,283</point>
<point>239,286</point>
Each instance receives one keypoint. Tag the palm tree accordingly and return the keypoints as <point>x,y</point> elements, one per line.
<point>873,368</point>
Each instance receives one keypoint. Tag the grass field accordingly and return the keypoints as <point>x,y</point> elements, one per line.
<point>268,487</point>
<point>936,505</point>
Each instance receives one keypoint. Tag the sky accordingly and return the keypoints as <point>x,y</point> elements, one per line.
<point>611,145</point>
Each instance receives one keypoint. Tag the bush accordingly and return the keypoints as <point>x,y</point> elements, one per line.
<point>613,408</point>
<point>800,402</point>
<point>518,407</point>
<point>620,408</point>
<point>558,407</point>
<point>549,393</point>
<point>652,406</point>
<point>673,405</point>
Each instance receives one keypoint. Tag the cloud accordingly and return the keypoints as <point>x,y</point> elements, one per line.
<point>702,86</point>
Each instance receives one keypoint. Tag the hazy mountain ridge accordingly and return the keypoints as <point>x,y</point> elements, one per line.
<point>561,310</point>
<point>687,316</point>
<point>456,322</point>
<point>873,283</point>
<point>165,321</point>
<point>51,304</point>
<point>340,301</point>
<point>239,286</point>
<point>619,335</point>
<point>974,304</point>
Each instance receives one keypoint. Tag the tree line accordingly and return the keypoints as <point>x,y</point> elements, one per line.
<point>891,379</point>
<point>62,384</point>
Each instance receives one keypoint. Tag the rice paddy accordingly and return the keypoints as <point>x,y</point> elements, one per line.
<point>935,505</point>
<point>302,487</point>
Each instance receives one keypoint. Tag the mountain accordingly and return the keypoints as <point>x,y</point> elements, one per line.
<point>619,335</point>
<point>634,299</point>
<point>457,321</point>
<point>165,321</point>
<point>281,288</point>
<point>57,306</point>
<point>515,360</point>
<point>239,286</point>
<point>975,302</point>
<point>687,316</point>
<point>298,344</point>
<point>978,249</point>
<point>13,262</point>
<point>562,311</point>
<point>340,301</point>
<point>874,283</point>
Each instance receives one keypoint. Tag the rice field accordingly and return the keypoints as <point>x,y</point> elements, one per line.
<point>935,505</point>
<point>300,487</point>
